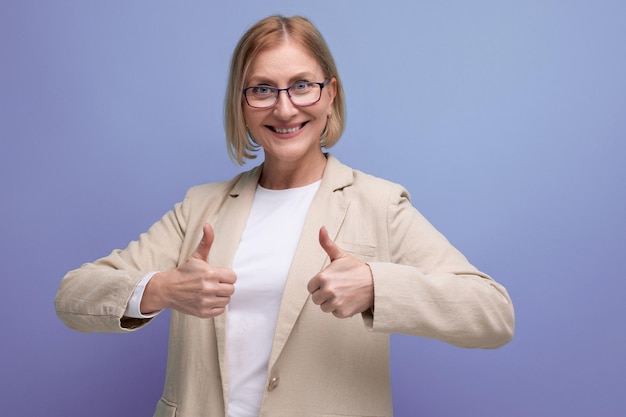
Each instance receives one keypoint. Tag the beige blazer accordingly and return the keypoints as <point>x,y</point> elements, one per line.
<point>319,365</point>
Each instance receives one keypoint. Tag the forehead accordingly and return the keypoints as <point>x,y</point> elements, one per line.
<point>283,62</point>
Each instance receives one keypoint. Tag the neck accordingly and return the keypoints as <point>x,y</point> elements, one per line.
<point>283,175</point>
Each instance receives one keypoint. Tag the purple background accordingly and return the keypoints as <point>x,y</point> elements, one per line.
<point>505,120</point>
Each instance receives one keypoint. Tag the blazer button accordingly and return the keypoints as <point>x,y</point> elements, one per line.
<point>273,383</point>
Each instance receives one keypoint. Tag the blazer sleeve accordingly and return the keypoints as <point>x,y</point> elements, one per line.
<point>429,289</point>
<point>93,298</point>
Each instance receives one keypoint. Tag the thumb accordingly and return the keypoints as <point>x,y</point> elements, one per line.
<point>202,251</point>
<point>333,251</point>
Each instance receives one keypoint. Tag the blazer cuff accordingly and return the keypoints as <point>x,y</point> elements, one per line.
<point>133,309</point>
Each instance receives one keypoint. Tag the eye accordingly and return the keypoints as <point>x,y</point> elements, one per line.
<point>300,86</point>
<point>262,90</point>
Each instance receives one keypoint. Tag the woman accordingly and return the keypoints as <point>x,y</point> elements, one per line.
<point>285,282</point>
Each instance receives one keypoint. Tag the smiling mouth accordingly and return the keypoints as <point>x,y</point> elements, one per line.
<point>285,131</point>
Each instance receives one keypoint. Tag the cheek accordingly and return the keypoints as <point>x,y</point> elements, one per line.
<point>248,118</point>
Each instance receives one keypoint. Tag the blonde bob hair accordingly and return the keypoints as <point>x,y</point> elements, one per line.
<point>265,34</point>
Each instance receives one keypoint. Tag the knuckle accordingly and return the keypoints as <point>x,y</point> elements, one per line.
<point>205,305</point>
<point>207,285</point>
<point>343,312</point>
<point>204,314</point>
<point>208,313</point>
<point>229,290</point>
<point>327,307</point>
<point>340,314</point>
<point>209,275</point>
<point>210,310</point>
<point>324,277</point>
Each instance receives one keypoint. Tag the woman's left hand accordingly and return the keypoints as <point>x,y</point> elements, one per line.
<point>346,286</point>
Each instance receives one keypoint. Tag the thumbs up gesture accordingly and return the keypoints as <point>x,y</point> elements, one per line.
<point>195,287</point>
<point>346,286</point>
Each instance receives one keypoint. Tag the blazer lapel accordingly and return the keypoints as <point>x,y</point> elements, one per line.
<point>228,229</point>
<point>328,208</point>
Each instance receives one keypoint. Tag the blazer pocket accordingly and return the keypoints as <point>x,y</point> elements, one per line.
<point>360,250</point>
<point>348,415</point>
<point>165,408</point>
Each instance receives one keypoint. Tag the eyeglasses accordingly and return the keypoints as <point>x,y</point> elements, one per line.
<point>301,94</point>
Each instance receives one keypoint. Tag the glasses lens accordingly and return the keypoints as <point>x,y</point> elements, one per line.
<point>261,96</point>
<point>304,94</point>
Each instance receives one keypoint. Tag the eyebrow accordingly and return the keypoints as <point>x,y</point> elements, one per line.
<point>263,80</point>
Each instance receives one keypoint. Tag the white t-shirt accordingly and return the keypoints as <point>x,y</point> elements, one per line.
<point>261,263</point>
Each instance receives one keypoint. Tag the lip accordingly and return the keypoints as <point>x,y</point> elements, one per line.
<point>287,131</point>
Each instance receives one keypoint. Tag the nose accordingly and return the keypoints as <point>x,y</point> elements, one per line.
<point>285,108</point>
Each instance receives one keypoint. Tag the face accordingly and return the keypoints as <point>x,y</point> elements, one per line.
<point>287,133</point>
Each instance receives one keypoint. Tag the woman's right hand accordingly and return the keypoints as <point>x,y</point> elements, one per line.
<point>194,288</point>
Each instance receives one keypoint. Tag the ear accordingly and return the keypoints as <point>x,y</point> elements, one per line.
<point>332,92</point>
<point>332,89</point>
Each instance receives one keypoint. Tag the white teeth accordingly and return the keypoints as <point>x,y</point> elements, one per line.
<point>293,129</point>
